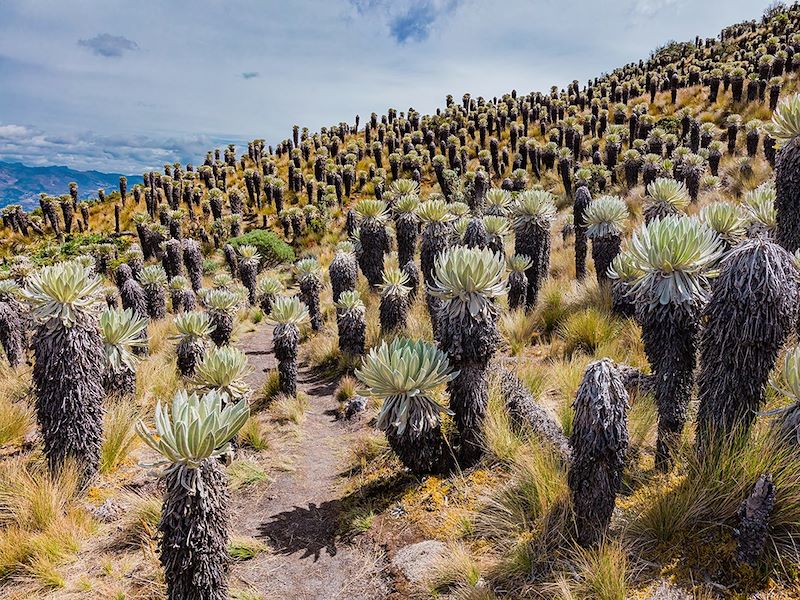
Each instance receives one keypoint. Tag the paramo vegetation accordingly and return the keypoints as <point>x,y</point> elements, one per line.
<point>569,318</point>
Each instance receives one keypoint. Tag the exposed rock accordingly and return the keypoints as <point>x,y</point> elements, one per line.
<point>667,591</point>
<point>417,561</point>
<point>107,511</point>
<point>355,406</point>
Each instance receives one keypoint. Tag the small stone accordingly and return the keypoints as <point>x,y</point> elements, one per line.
<point>417,561</point>
<point>107,511</point>
<point>667,591</point>
<point>354,406</point>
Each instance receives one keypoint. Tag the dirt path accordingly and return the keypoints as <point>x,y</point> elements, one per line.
<point>297,514</point>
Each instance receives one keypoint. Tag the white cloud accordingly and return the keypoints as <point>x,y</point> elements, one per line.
<point>12,132</point>
<point>649,8</point>
<point>318,62</point>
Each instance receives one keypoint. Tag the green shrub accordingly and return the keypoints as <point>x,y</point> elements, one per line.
<point>272,249</point>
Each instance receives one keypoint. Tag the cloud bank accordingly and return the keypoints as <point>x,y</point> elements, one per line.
<point>145,87</point>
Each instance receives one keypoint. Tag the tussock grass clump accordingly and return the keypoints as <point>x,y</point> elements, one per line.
<point>367,450</point>
<point>244,473</point>
<point>553,306</point>
<point>518,329</point>
<point>156,377</point>
<point>642,421</point>
<point>33,499</point>
<point>458,571</point>
<point>269,389</point>
<point>529,516</point>
<point>600,573</point>
<point>16,421</point>
<point>119,436</point>
<point>16,414</point>
<point>346,390</point>
<point>42,527</point>
<point>587,330</point>
<point>703,499</point>
<point>290,409</point>
<point>140,521</point>
<point>500,439</point>
<point>242,548</point>
<point>253,435</point>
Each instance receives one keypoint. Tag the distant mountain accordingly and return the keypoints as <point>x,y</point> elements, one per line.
<point>21,184</point>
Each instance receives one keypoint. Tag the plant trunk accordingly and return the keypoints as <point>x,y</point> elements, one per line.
<point>12,334</point>
<point>393,312</point>
<point>599,442</point>
<point>424,452</point>
<point>669,333</point>
<point>470,345</point>
<point>582,200</point>
<point>352,332</point>
<point>189,353</point>
<point>67,377</point>
<point>754,513</point>
<point>787,200</point>
<point>309,294</point>
<point>752,311</point>
<point>194,532</point>
<point>517,289</point>
<point>374,245</point>
<point>343,272</point>
<point>223,327</point>
<point>604,251</point>
<point>285,340</point>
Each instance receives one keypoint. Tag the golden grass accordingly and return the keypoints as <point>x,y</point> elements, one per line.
<point>119,436</point>
<point>499,438</point>
<point>244,473</point>
<point>140,520</point>
<point>553,306</point>
<point>290,409</point>
<point>254,434</point>
<point>242,548</point>
<point>31,498</point>
<point>586,331</point>
<point>157,378</point>
<point>700,500</point>
<point>600,573</point>
<point>538,484</point>
<point>458,569</point>
<point>322,352</point>
<point>16,421</point>
<point>346,390</point>
<point>518,329</point>
<point>159,333</point>
<point>42,526</point>
<point>15,384</point>
<point>366,449</point>
<point>269,389</point>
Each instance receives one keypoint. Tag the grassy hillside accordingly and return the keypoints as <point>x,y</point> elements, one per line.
<point>671,512</point>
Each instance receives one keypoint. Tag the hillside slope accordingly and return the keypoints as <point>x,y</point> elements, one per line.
<point>22,184</point>
<point>506,173</point>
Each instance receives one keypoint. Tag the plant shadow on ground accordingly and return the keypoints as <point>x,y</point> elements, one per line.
<point>317,528</point>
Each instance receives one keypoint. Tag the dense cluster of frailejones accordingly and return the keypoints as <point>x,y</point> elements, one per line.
<point>459,207</point>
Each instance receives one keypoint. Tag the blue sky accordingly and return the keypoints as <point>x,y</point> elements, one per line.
<point>127,86</point>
